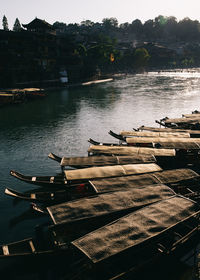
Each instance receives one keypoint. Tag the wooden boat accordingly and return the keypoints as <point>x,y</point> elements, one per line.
<point>186,144</point>
<point>113,204</point>
<point>184,123</point>
<point>93,142</point>
<point>28,93</point>
<point>125,134</point>
<point>49,197</point>
<point>61,237</point>
<point>128,150</point>
<point>43,243</point>
<point>58,180</point>
<point>143,140</point>
<point>193,133</point>
<point>191,119</point>
<point>34,93</point>
<point>187,153</point>
<point>23,248</point>
<point>182,181</point>
<point>84,162</point>
<point>110,171</point>
<point>10,98</point>
<point>128,244</point>
<point>115,135</point>
<point>87,214</point>
<point>124,144</point>
<point>193,115</point>
<point>75,177</point>
<point>55,157</point>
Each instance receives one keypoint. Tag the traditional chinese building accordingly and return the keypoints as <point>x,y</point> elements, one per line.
<point>40,26</point>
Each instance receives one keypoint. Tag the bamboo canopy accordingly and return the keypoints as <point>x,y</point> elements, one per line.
<point>196,115</point>
<point>144,225</point>
<point>161,139</point>
<point>106,160</point>
<point>179,145</point>
<point>154,134</point>
<point>121,150</point>
<point>160,177</point>
<point>108,203</point>
<point>163,129</point>
<point>182,120</point>
<point>110,171</point>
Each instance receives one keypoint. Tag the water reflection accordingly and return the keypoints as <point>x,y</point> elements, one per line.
<point>63,121</point>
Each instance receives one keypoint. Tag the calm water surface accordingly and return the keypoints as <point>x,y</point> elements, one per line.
<point>63,121</point>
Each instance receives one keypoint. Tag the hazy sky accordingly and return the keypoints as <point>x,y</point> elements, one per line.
<point>75,11</point>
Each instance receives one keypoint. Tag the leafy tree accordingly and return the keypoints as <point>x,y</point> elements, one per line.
<point>148,29</point>
<point>5,23</point>
<point>136,27</point>
<point>188,30</point>
<point>141,57</point>
<point>110,22</point>
<point>159,24</point>
<point>170,28</point>
<point>160,20</point>
<point>17,26</point>
<point>124,26</point>
<point>87,23</point>
<point>60,26</point>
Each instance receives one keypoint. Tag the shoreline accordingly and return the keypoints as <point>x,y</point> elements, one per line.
<point>102,79</point>
<point>41,89</point>
<point>20,95</point>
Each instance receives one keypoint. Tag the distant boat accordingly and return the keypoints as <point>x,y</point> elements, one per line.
<point>10,98</point>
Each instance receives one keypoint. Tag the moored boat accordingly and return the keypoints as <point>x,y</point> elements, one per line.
<point>49,197</point>
<point>182,181</point>
<point>127,134</point>
<point>54,157</point>
<point>84,162</point>
<point>193,133</point>
<point>128,150</point>
<point>58,180</point>
<point>93,142</point>
<point>170,221</point>
<point>80,213</point>
<point>144,236</point>
<point>10,98</point>
<point>183,123</point>
<point>110,204</point>
<point>77,176</point>
<point>193,115</point>
<point>144,140</point>
<point>185,152</point>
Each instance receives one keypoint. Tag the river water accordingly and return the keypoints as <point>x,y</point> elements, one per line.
<point>63,121</point>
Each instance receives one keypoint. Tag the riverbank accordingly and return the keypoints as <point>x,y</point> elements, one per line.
<point>16,96</point>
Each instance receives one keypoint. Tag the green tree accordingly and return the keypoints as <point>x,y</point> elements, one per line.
<point>148,29</point>
<point>141,57</point>
<point>17,26</point>
<point>5,23</point>
<point>109,23</point>
<point>136,27</point>
<point>87,23</point>
<point>170,29</point>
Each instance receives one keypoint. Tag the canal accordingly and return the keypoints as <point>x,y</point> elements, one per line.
<point>63,122</point>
